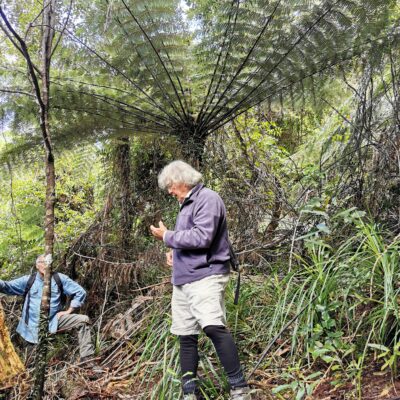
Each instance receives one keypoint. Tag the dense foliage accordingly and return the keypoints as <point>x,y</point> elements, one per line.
<point>292,112</point>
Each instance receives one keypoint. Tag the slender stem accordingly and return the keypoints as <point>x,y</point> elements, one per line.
<point>148,98</point>
<point>158,82</point>
<point>276,65</point>
<point>159,58</point>
<point>222,48</point>
<point>243,64</point>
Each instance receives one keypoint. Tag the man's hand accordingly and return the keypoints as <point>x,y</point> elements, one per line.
<point>66,312</point>
<point>169,254</point>
<point>158,233</point>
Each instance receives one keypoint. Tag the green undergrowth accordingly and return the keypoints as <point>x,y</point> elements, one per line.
<point>348,292</point>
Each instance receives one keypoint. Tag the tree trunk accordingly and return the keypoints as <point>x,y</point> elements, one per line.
<point>46,50</point>
<point>10,363</point>
<point>41,85</point>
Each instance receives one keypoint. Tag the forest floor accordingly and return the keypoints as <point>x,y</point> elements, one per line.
<point>135,365</point>
<point>375,385</point>
<point>81,385</point>
<point>68,380</point>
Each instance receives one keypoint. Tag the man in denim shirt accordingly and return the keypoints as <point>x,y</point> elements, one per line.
<point>59,321</point>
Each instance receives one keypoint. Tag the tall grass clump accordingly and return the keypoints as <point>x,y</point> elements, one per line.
<point>349,290</point>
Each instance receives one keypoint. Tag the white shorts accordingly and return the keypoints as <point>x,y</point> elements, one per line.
<point>198,304</point>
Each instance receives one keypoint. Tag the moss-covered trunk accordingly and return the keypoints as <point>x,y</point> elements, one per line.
<point>10,363</point>
<point>123,191</point>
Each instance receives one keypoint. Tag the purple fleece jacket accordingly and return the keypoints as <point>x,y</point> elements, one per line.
<point>200,238</point>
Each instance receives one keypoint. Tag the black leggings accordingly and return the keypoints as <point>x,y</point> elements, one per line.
<point>227,354</point>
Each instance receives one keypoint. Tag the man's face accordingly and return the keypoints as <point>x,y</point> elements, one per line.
<point>178,190</point>
<point>40,265</point>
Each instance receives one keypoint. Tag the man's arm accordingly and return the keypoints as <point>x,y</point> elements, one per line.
<point>15,287</point>
<point>76,291</point>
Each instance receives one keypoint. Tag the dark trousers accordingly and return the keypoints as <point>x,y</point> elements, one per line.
<point>226,351</point>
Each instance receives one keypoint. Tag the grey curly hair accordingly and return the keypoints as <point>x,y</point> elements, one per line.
<point>40,257</point>
<point>178,172</point>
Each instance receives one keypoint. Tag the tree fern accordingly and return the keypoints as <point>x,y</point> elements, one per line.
<point>143,66</point>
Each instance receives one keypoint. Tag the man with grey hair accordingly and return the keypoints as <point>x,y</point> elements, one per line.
<point>200,262</point>
<point>31,287</point>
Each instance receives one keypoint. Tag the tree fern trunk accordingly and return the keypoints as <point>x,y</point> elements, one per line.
<point>192,147</point>
<point>123,191</point>
<point>10,363</point>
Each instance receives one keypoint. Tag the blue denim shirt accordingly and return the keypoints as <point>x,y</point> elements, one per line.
<point>17,287</point>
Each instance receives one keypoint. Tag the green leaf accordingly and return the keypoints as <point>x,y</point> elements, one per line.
<point>281,388</point>
<point>319,352</point>
<point>314,375</point>
<point>328,359</point>
<point>378,347</point>
<point>301,392</point>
